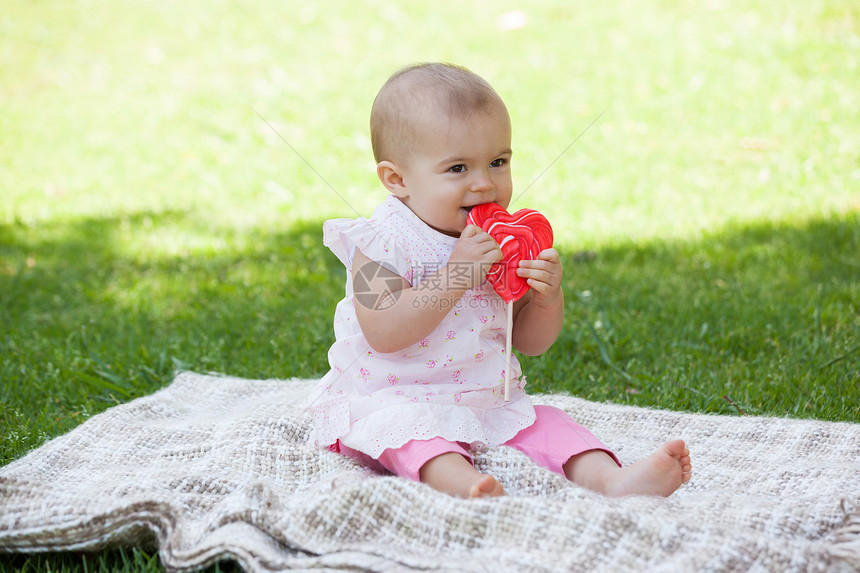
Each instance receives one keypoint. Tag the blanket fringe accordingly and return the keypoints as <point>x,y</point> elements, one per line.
<point>846,539</point>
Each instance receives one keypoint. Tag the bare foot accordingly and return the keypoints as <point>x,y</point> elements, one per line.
<point>661,473</point>
<point>486,486</point>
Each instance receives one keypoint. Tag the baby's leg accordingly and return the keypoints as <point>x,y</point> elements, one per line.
<point>661,473</point>
<point>453,474</point>
<point>443,465</point>
<point>559,443</point>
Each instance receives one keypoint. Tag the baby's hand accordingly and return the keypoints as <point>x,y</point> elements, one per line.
<point>473,255</point>
<point>543,276</point>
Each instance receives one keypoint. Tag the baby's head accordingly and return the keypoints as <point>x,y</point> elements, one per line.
<point>441,138</point>
<point>415,97</point>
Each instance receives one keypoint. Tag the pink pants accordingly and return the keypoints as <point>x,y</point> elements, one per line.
<point>553,439</point>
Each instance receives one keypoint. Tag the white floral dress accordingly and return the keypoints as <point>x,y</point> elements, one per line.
<point>449,384</point>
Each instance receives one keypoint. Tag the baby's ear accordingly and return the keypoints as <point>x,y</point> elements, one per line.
<point>391,177</point>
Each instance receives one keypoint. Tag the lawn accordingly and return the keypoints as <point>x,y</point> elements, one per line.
<point>166,169</point>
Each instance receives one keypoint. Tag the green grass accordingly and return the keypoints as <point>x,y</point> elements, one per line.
<point>121,560</point>
<point>758,320</point>
<point>166,169</point>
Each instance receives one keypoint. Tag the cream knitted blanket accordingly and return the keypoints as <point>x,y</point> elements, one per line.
<point>213,467</point>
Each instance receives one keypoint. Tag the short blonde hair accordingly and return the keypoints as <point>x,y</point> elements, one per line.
<point>448,88</point>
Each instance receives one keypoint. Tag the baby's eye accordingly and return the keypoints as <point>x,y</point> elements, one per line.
<point>498,162</point>
<point>457,168</point>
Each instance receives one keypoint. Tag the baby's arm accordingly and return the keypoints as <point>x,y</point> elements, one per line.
<point>409,313</point>
<point>539,314</point>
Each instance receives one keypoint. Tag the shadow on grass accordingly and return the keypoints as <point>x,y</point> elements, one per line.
<point>760,319</point>
<point>88,323</point>
<point>118,560</point>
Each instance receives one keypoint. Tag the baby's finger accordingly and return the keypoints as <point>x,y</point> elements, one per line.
<point>549,266</point>
<point>550,255</point>
<point>493,251</point>
<point>478,235</point>
<point>487,243</point>
<point>470,231</point>
<point>538,277</point>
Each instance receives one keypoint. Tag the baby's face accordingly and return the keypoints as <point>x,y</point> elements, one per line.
<point>457,164</point>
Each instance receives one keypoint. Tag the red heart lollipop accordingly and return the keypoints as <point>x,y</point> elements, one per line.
<point>522,236</point>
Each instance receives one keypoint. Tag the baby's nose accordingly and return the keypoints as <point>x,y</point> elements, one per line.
<point>482,182</point>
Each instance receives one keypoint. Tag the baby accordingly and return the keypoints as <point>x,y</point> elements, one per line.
<point>417,368</point>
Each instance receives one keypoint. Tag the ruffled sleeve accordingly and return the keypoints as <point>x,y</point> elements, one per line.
<point>373,237</point>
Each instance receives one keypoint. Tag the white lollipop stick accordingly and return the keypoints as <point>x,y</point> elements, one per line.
<point>508,351</point>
